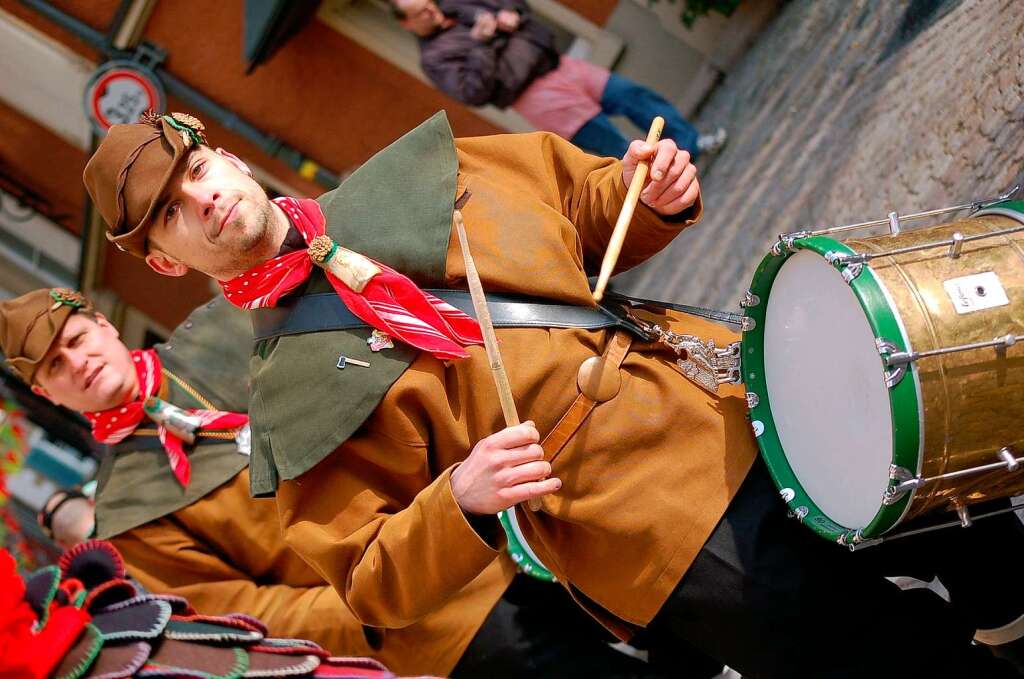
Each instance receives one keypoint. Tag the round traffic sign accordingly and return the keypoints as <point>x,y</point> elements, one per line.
<point>120,92</point>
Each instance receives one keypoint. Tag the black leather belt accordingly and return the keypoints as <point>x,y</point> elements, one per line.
<point>324,311</point>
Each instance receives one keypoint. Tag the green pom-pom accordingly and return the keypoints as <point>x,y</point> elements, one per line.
<point>190,125</point>
<point>67,297</point>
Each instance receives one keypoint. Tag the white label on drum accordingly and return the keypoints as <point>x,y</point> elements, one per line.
<point>976,292</point>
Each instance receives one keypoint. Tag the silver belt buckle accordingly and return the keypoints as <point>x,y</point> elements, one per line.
<point>702,362</point>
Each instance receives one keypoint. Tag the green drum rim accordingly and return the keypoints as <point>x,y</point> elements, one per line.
<point>1014,209</point>
<point>523,557</point>
<point>904,397</point>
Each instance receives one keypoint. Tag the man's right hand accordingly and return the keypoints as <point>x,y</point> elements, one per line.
<point>484,27</point>
<point>504,469</point>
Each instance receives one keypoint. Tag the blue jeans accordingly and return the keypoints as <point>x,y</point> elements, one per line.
<point>627,98</point>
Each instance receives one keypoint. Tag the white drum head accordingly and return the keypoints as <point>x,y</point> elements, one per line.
<point>826,386</point>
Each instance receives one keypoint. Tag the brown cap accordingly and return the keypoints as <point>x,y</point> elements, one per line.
<point>29,324</point>
<point>130,170</point>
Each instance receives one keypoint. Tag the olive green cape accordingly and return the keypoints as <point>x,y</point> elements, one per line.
<point>209,351</point>
<point>396,209</point>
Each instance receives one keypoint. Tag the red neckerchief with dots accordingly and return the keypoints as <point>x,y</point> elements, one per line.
<point>114,425</point>
<point>390,302</point>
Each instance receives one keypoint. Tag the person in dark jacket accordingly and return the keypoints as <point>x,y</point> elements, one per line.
<point>495,52</point>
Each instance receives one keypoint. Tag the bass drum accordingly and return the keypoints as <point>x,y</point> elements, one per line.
<point>884,377</point>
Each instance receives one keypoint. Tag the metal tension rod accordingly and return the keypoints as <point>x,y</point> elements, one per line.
<point>928,529</point>
<point>906,357</point>
<point>973,206</point>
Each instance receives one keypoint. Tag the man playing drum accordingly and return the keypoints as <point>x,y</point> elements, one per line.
<point>375,421</point>
<point>186,525</point>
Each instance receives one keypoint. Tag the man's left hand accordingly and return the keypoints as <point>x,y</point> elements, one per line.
<point>671,185</point>
<point>508,20</point>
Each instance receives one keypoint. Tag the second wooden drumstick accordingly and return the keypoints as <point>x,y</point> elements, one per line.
<point>483,317</point>
<point>611,255</point>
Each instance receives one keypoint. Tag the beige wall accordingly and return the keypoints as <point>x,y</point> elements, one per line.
<point>683,64</point>
<point>321,93</point>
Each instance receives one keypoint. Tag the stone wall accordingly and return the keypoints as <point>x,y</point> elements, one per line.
<point>842,111</point>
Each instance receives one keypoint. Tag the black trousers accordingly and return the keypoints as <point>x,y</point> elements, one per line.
<point>771,599</point>
<point>537,630</point>
<point>979,565</point>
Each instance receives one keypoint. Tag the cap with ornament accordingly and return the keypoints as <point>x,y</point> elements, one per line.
<point>31,323</point>
<point>132,168</point>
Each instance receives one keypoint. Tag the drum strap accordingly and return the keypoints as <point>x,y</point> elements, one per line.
<point>730,317</point>
<point>598,381</point>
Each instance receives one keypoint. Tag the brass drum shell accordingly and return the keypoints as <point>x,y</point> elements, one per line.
<point>973,401</point>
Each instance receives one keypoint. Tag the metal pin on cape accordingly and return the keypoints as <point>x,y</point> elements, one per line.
<point>344,360</point>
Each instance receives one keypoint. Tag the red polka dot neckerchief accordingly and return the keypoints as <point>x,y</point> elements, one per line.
<point>114,425</point>
<point>389,302</point>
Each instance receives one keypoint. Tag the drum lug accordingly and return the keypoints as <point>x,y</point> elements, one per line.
<point>785,242</point>
<point>749,300</point>
<point>849,265</point>
<point>752,400</point>
<point>851,272</point>
<point>893,373</point>
<point>898,473</point>
<point>894,494</point>
<point>800,513</point>
<point>905,481</point>
<point>894,376</point>
<point>747,324</point>
<point>850,538</point>
<point>885,346</point>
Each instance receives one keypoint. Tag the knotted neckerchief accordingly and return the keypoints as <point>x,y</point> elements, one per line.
<point>381,297</point>
<point>114,425</point>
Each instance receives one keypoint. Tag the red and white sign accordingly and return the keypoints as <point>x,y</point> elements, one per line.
<point>120,92</point>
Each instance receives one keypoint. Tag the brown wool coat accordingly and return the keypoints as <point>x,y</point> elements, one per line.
<point>225,554</point>
<point>646,478</point>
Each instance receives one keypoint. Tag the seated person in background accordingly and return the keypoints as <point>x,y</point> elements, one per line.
<point>186,524</point>
<point>494,52</point>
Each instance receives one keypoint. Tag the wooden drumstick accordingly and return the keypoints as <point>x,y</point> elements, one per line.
<point>483,317</point>
<point>611,255</point>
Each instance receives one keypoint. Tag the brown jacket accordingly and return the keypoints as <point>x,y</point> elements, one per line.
<point>646,478</point>
<point>225,554</point>
<point>216,546</point>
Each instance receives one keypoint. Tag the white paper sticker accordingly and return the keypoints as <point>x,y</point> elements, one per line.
<point>976,292</point>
